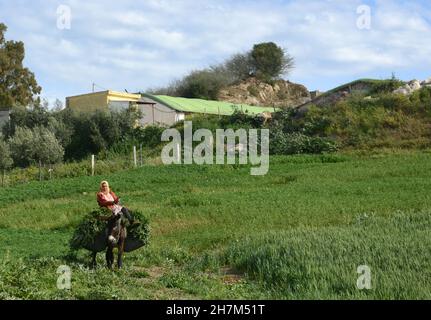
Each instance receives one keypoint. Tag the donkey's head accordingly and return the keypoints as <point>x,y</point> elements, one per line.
<point>116,228</point>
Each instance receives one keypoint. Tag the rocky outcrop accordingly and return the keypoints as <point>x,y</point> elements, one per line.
<point>413,86</point>
<point>281,94</point>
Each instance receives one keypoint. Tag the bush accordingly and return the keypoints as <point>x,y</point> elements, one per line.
<point>298,143</point>
<point>5,156</point>
<point>91,228</point>
<point>31,146</point>
<point>22,146</point>
<point>386,86</point>
<point>240,119</point>
<point>149,136</point>
<point>99,132</point>
<point>204,84</point>
<point>240,66</point>
<point>48,149</point>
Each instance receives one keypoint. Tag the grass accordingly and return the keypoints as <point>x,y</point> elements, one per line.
<point>218,232</point>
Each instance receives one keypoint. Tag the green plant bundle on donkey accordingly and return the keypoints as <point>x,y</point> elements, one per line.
<point>98,226</point>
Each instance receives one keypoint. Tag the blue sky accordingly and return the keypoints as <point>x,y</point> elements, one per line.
<point>136,45</point>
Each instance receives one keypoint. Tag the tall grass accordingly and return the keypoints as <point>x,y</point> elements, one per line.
<point>314,263</point>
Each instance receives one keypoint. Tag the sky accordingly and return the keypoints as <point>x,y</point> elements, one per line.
<point>136,45</point>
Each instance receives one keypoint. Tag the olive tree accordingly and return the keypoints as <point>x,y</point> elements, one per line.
<point>22,146</point>
<point>5,159</point>
<point>35,146</point>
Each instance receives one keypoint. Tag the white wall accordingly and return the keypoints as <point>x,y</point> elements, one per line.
<point>163,115</point>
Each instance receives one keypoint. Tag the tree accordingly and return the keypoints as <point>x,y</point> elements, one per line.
<point>5,159</point>
<point>270,61</point>
<point>204,84</point>
<point>25,117</point>
<point>58,105</point>
<point>22,146</point>
<point>240,66</point>
<point>61,130</point>
<point>37,146</point>
<point>18,85</point>
<point>48,149</point>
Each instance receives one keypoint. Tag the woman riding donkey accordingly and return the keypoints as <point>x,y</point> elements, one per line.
<point>108,199</point>
<point>116,232</point>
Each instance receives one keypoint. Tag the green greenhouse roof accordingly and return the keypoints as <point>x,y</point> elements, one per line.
<point>206,106</point>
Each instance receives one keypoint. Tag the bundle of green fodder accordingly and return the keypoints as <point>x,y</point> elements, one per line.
<point>91,233</point>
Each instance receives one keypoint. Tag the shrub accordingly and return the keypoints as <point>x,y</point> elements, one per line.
<point>203,84</point>
<point>298,143</point>
<point>48,149</point>
<point>240,66</point>
<point>270,61</point>
<point>5,156</point>
<point>92,227</point>
<point>242,120</point>
<point>34,146</point>
<point>22,146</point>
<point>386,86</point>
<point>149,136</point>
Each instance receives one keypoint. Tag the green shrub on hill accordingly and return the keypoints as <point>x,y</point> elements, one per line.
<point>386,86</point>
<point>298,143</point>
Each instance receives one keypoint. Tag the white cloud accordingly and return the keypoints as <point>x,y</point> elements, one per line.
<point>147,44</point>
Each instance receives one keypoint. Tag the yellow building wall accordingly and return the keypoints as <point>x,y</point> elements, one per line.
<point>88,102</point>
<point>98,100</point>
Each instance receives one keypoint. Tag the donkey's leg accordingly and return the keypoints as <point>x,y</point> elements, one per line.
<point>120,253</point>
<point>109,257</point>
<point>93,262</point>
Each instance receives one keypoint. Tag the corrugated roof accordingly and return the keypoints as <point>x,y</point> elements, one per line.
<point>206,106</point>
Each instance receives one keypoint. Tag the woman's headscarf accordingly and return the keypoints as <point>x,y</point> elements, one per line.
<point>101,186</point>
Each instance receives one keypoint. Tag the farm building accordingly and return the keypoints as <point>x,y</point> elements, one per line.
<point>157,109</point>
<point>169,110</point>
<point>103,100</point>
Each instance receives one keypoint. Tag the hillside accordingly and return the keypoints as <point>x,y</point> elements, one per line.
<point>365,87</point>
<point>280,93</point>
<point>364,114</point>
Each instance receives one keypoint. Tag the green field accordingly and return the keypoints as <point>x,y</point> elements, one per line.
<point>217,232</point>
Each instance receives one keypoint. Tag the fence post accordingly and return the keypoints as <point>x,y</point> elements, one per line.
<point>140,151</point>
<point>40,170</point>
<point>135,163</point>
<point>178,153</point>
<point>92,165</point>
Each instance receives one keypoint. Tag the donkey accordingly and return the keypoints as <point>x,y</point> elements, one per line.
<point>114,236</point>
<point>117,234</point>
